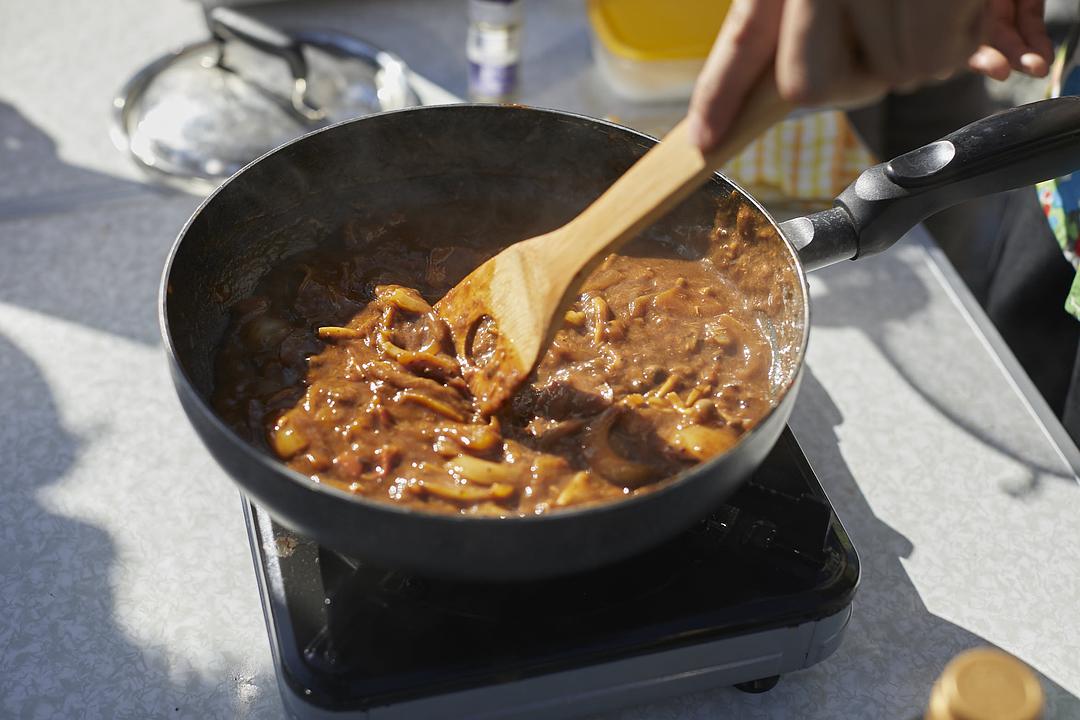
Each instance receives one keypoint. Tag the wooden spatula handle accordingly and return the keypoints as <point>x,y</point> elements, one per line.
<point>663,177</point>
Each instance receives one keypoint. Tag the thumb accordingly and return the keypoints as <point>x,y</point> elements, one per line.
<point>743,49</point>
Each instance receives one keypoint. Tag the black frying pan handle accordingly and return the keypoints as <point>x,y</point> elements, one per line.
<point>1011,149</point>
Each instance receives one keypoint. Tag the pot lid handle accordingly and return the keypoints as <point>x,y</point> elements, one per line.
<point>226,24</point>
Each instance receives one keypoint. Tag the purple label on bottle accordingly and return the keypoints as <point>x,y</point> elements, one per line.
<point>492,81</point>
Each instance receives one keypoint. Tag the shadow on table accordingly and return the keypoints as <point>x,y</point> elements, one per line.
<point>36,182</point>
<point>889,293</point>
<point>62,653</point>
<point>892,635</point>
<point>891,625</point>
<point>85,247</point>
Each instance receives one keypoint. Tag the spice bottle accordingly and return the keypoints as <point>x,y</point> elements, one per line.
<point>985,684</point>
<point>493,49</point>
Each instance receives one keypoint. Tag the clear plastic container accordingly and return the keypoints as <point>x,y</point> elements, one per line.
<point>652,52</point>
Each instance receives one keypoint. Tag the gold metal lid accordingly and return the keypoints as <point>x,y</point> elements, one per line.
<point>986,684</point>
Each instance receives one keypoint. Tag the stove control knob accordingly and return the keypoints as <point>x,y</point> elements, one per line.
<point>986,684</point>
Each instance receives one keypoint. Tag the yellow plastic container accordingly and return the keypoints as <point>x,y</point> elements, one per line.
<point>650,51</point>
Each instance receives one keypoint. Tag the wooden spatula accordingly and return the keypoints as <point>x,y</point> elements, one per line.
<point>503,315</point>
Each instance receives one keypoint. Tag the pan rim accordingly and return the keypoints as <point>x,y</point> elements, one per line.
<point>273,465</point>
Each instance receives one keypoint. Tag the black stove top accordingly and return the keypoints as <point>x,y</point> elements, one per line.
<point>349,636</point>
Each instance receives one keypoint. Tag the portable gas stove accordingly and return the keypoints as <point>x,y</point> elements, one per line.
<point>761,587</point>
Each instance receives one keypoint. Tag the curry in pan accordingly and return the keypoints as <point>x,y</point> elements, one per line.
<point>664,360</point>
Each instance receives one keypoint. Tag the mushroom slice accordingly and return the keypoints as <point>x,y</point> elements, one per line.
<point>482,472</point>
<point>700,442</point>
<point>603,458</point>
<point>467,493</point>
<point>578,490</point>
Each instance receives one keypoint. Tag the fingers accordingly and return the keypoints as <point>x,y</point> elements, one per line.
<point>990,61</point>
<point>973,32</point>
<point>1016,40</point>
<point>1032,27</point>
<point>744,48</point>
<point>936,41</point>
<point>811,50</point>
<point>818,58</point>
<point>977,31</point>
<point>878,43</point>
<point>850,51</point>
<point>915,40</point>
<point>1007,43</point>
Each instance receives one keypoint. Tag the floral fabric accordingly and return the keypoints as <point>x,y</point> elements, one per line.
<point>1060,197</point>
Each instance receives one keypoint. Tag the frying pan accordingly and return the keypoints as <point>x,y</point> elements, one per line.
<point>469,174</point>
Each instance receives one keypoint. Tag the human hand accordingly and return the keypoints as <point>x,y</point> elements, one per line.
<point>831,51</point>
<point>1016,39</point>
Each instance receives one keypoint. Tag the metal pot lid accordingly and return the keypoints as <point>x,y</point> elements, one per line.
<point>195,116</point>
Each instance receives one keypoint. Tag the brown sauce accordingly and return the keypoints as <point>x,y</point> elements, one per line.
<point>664,360</point>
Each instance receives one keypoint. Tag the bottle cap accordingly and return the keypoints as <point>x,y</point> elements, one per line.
<point>985,684</point>
<point>495,12</point>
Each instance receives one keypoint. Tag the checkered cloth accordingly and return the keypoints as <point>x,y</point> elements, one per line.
<point>809,159</point>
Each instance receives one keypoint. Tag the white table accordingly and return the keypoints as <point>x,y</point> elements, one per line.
<point>126,582</point>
